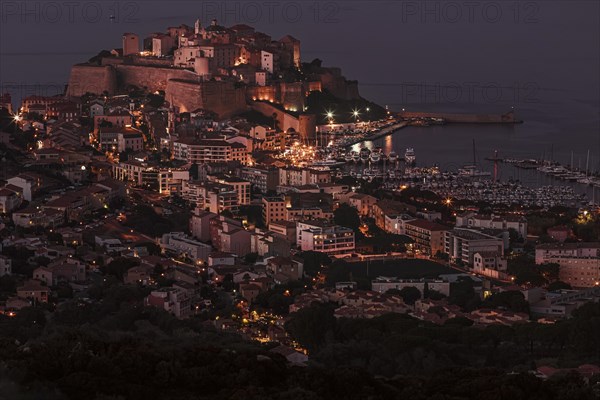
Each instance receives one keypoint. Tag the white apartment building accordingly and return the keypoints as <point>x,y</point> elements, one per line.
<point>473,220</point>
<point>214,197</point>
<point>208,151</point>
<point>240,186</point>
<point>173,300</point>
<point>579,262</point>
<point>383,284</point>
<point>324,237</point>
<point>550,252</point>
<point>180,244</point>
<point>462,244</point>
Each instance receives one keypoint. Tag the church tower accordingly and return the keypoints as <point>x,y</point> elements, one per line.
<point>197,26</point>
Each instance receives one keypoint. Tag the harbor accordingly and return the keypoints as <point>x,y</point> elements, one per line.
<point>365,154</point>
<point>396,173</point>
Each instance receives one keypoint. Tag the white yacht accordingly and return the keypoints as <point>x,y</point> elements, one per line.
<point>409,157</point>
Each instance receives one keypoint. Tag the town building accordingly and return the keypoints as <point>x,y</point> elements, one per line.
<point>179,244</point>
<point>28,183</point>
<point>201,151</point>
<point>391,215</point>
<point>295,176</point>
<point>561,303</point>
<point>240,186</point>
<point>550,252</point>
<point>234,239</point>
<point>383,284</point>
<point>284,269</point>
<point>36,216</point>
<point>462,244</point>
<point>559,233</point>
<point>491,264</point>
<point>264,179</point>
<point>320,235</point>
<point>33,290</point>
<point>268,243</point>
<point>200,224</point>
<point>428,236</point>
<point>285,229</point>
<point>10,199</point>
<point>503,222</point>
<point>213,197</point>
<point>273,209</point>
<point>133,141</point>
<point>5,266</point>
<point>364,204</point>
<point>117,117</point>
<point>172,300</point>
<point>308,213</point>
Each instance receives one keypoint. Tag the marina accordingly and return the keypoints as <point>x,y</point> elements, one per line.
<point>558,171</point>
<point>467,183</point>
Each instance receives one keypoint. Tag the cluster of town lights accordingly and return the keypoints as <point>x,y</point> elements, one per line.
<point>298,154</point>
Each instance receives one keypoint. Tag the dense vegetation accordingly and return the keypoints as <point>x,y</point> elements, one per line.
<point>398,344</point>
<point>117,349</point>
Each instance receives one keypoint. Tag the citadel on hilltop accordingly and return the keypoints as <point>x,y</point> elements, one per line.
<point>224,70</point>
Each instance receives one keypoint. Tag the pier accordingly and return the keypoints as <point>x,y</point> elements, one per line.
<point>508,118</point>
<point>377,135</point>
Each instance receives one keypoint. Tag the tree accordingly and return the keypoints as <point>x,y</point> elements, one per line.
<point>118,267</point>
<point>251,258</point>
<point>227,214</point>
<point>313,260</point>
<point>155,100</point>
<point>512,300</point>
<point>462,294</point>
<point>310,325</point>
<point>550,271</point>
<point>434,295</point>
<point>558,285</point>
<point>337,272</point>
<point>410,294</point>
<point>514,236</point>
<point>347,216</point>
<point>54,237</point>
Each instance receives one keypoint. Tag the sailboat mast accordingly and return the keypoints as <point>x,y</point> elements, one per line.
<point>571,160</point>
<point>587,163</point>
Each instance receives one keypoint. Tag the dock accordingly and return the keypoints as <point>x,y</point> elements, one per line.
<point>377,135</point>
<point>508,118</point>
